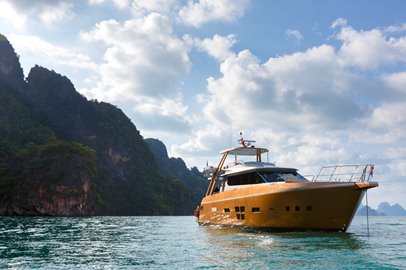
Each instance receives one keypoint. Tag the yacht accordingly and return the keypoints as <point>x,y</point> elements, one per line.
<point>260,195</point>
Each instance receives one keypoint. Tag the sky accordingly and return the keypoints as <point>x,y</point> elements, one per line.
<point>317,82</point>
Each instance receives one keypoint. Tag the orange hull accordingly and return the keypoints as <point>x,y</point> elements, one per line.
<point>328,206</point>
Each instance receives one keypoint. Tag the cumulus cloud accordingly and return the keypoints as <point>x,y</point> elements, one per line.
<point>289,86</point>
<point>11,16</point>
<point>312,107</point>
<point>396,81</point>
<point>389,118</point>
<point>164,115</point>
<point>19,11</point>
<point>203,11</point>
<point>56,13</point>
<point>143,7</point>
<point>132,71</point>
<point>370,49</point>
<point>218,47</point>
<point>121,4</point>
<point>53,54</point>
<point>395,28</point>
<point>130,67</point>
<point>291,95</point>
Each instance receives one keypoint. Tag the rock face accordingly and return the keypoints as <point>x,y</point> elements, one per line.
<point>175,168</point>
<point>61,154</point>
<point>52,179</point>
<point>10,67</point>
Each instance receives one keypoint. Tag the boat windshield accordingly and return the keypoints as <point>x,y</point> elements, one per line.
<point>282,177</point>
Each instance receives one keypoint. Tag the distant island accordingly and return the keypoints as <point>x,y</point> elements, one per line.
<point>384,209</point>
<point>64,155</point>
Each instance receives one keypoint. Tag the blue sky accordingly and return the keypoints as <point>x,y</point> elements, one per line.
<point>318,82</point>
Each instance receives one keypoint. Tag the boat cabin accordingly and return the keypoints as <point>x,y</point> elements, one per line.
<point>241,174</point>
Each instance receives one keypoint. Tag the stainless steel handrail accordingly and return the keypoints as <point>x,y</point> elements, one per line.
<point>345,173</point>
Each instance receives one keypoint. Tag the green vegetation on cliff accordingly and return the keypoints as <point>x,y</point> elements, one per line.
<point>61,154</point>
<point>37,178</point>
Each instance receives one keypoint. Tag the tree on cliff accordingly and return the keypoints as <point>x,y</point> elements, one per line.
<point>52,139</point>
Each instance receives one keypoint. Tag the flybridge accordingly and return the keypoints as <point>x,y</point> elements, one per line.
<point>245,150</point>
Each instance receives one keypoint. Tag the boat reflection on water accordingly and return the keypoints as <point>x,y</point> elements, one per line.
<point>306,240</point>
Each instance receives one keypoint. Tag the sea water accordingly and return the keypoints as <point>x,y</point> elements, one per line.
<point>180,243</point>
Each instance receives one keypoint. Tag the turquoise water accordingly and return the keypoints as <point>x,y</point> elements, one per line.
<point>179,243</point>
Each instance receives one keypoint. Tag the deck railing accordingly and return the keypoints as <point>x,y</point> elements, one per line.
<point>344,173</point>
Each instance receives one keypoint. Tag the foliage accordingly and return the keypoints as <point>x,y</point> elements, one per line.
<point>49,134</point>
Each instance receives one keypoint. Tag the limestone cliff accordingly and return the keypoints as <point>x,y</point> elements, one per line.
<point>52,179</point>
<point>61,154</point>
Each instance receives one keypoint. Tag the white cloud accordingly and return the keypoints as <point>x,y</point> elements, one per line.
<point>311,107</point>
<point>52,54</point>
<point>396,153</point>
<point>340,22</point>
<point>304,91</point>
<point>132,71</point>
<point>12,16</point>
<point>218,47</point>
<point>396,81</point>
<point>96,2</point>
<point>307,87</point>
<point>370,49</point>
<point>143,7</point>
<point>121,4</point>
<point>18,12</point>
<point>389,117</point>
<point>294,34</point>
<point>60,12</point>
<point>395,28</point>
<point>164,115</point>
<point>204,11</point>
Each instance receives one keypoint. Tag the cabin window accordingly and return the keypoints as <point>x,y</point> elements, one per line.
<point>271,210</point>
<point>255,210</point>
<point>309,208</point>
<point>245,179</point>
<point>287,208</point>
<point>240,212</point>
<point>291,176</point>
<point>297,208</point>
<point>226,210</point>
